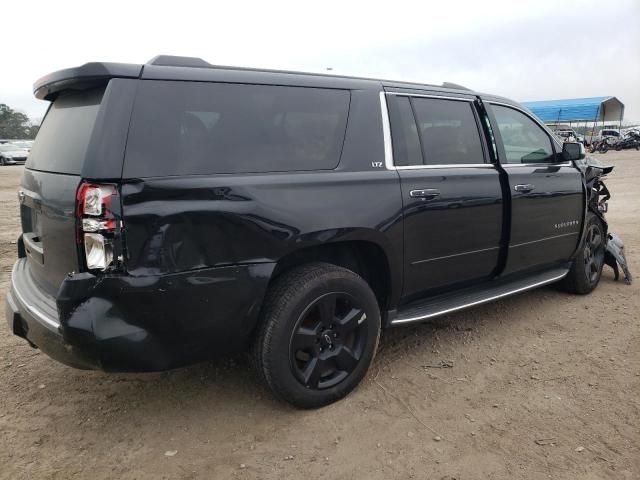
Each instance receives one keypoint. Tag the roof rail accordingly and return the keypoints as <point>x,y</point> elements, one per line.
<point>454,85</point>
<point>177,61</point>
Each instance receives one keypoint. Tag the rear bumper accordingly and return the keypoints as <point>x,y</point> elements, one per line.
<point>123,323</point>
<point>32,315</point>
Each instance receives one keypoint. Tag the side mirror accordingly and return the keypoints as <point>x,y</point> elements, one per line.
<point>573,151</point>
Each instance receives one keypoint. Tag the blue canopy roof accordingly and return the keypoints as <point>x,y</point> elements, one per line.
<point>578,109</point>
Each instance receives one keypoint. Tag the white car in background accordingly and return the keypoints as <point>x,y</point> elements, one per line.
<point>11,154</point>
<point>568,135</point>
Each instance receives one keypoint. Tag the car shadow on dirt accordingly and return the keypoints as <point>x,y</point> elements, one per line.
<point>228,388</point>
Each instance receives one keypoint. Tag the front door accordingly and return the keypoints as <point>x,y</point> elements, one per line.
<point>547,198</point>
<point>452,198</point>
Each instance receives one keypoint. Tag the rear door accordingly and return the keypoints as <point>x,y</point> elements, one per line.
<point>81,137</point>
<point>48,189</point>
<point>451,192</point>
<point>547,198</point>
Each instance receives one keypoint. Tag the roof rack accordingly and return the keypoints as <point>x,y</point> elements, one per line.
<point>454,85</point>
<point>177,61</point>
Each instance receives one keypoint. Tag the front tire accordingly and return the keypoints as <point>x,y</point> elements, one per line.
<point>586,270</point>
<point>318,334</point>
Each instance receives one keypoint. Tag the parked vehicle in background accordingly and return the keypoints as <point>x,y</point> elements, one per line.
<point>25,144</point>
<point>603,145</point>
<point>607,133</point>
<point>205,210</point>
<point>568,135</point>
<point>630,140</point>
<point>11,154</point>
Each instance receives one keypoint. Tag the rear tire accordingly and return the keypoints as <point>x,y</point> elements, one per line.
<point>318,334</point>
<point>586,270</point>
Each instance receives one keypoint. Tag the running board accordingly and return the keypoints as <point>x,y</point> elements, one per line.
<point>425,309</point>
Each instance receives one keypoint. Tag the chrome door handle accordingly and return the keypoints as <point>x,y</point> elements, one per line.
<point>425,193</point>
<point>524,187</point>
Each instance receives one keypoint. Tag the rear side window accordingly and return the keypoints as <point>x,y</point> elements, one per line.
<point>448,130</point>
<point>428,131</point>
<point>183,128</point>
<point>404,131</point>
<point>63,138</point>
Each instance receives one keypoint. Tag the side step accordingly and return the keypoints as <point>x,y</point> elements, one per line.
<point>425,309</point>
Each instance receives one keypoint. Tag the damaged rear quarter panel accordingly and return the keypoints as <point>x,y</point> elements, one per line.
<point>177,224</point>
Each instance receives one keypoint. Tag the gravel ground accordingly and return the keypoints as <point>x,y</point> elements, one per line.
<point>542,385</point>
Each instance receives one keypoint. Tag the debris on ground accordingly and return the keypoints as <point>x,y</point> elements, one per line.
<point>440,364</point>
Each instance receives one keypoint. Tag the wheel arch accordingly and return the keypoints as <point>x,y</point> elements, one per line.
<point>367,258</point>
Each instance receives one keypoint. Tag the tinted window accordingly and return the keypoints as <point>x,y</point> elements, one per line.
<point>181,128</point>
<point>448,131</point>
<point>524,140</point>
<point>63,138</point>
<point>406,144</point>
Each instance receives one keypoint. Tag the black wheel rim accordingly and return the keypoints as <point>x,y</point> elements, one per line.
<point>328,341</point>
<point>593,253</point>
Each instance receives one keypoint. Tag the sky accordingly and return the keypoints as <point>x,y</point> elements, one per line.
<point>524,50</point>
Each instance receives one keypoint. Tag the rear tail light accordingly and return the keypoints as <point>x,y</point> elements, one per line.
<point>99,226</point>
<point>99,254</point>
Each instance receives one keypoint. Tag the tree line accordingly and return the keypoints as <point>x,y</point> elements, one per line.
<point>16,125</point>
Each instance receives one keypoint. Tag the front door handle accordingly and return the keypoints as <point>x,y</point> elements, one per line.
<point>524,187</point>
<point>425,193</point>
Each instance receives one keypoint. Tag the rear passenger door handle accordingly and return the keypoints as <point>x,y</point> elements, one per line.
<point>425,193</point>
<point>524,187</point>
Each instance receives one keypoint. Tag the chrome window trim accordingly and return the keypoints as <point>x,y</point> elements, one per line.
<point>402,94</point>
<point>512,165</point>
<point>444,165</point>
<point>388,143</point>
<point>386,133</point>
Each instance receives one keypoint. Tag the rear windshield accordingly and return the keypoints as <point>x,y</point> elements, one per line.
<point>183,128</point>
<point>63,138</point>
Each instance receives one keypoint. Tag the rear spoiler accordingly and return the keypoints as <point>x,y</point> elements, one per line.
<point>81,78</point>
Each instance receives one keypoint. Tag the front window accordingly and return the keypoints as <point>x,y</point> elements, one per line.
<point>524,140</point>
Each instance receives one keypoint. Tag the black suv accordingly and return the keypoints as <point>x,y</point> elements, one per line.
<point>176,210</point>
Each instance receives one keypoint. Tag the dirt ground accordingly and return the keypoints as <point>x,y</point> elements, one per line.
<point>541,385</point>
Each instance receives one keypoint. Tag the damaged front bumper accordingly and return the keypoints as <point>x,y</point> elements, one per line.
<point>615,258</point>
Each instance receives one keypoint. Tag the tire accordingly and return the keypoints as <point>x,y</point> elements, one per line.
<point>586,270</point>
<point>617,148</point>
<point>604,148</point>
<point>308,356</point>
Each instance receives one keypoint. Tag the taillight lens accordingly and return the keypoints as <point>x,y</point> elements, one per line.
<point>98,252</point>
<point>98,226</point>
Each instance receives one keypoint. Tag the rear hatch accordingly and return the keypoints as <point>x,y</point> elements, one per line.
<point>49,184</point>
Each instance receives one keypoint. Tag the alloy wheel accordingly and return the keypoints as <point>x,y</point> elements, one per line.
<point>328,341</point>
<point>593,253</point>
